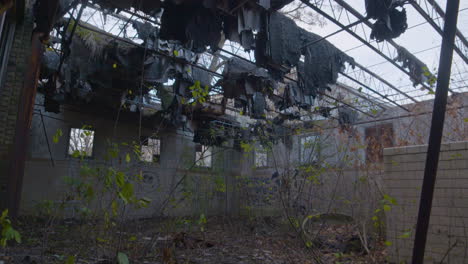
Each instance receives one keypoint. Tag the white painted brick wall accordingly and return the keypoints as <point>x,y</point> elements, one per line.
<point>404,170</point>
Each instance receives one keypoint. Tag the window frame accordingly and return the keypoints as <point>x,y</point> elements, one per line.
<point>316,149</point>
<point>262,151</point>
<point>378,129</point>
<point>153,161</point>
<point>67,150</point>
<point>197,160</point>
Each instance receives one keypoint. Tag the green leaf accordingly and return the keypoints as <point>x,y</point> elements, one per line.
<point>122,258</point>
<point>202,219</point>
<point>387,208</point>
<point>102,240</point>
<point>405,235</point>
<point>17,236</point>
<point>465,120</point>
<point>120,179</point>
<point>388,243</point>
<point>4,215</point>
<point>144,202</point>
<point>127,158</point>
<point>115,208</point>
<point>89,192</point>
<point>389,199</point>
<point>126,194</point>
<point>76,154</point>
<point>70,260</point>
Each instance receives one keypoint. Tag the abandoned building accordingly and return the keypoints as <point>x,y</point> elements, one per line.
<point>179,108</point>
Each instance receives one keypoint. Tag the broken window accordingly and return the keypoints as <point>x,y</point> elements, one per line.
<point>309,150</point>
<point>81,142</point>
<point>203,156</point>
<point>378,138</point>
<point>151,150</point>
<point>261,157</point>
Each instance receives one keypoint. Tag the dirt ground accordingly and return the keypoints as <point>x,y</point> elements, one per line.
<point>218,240</point>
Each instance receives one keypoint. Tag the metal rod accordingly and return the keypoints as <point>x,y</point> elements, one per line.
<point>47,139</point>
<point>436,132</point>
<point>374,91</point>
<point>437,28</point>
<point>442,14</point>
<point>355,13</point>
<point>384,81</point>
<point>336,32</point>
<point>69,40</point>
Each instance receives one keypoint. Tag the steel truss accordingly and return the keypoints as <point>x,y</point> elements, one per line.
<point>382,86</point>
<point>387,49</point>
<point>136,16</point>
<point>431,11</point>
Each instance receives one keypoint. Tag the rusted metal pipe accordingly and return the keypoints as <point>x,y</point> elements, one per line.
<point>27,97</point>
<point>23,123</point>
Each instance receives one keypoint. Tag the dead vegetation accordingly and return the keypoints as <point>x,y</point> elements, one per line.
<point>181,240</point>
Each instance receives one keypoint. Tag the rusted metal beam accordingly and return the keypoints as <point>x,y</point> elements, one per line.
<point>23,123</point>
<point>26,107</point>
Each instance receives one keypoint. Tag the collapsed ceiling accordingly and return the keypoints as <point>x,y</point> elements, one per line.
<point>93,66</point>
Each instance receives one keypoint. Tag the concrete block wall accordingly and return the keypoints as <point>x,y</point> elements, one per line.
<point>45,182</point>
<point>10,91</point>
<point>448,232</point>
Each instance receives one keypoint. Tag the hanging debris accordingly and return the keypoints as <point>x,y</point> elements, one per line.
<point>322,64</point>
<point>278,4</point>
<point>248,84</point>
<point>293,95</point>
<point>281,46</point>
<point>109,71</point>
<point>214,132</point>
<point>44,14</point>
<point>420,74</point>
<point>280,42</point>
<point>249,21</point>
<point>193,25</point>
<point>347,116</point>
<point>149,7</point>
<point>391,18</point>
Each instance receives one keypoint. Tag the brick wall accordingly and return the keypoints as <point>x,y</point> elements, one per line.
<point>10,92</point>
<point>448,231</point>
